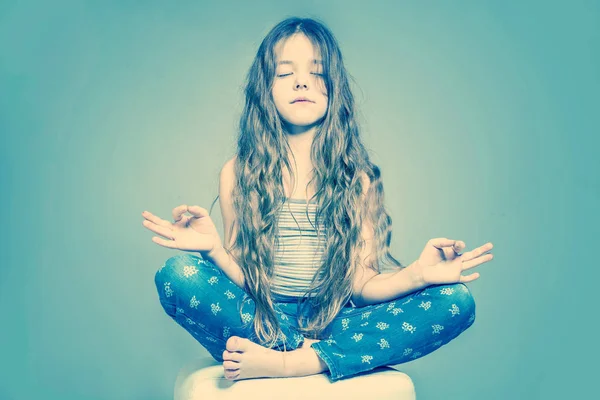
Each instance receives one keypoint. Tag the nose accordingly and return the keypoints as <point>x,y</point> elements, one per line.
<point>301,82</point>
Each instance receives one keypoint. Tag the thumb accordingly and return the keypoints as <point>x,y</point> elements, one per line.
<point>197,211</point>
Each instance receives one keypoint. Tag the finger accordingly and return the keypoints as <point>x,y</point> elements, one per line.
<point>469,278</point>
<point>442,242</point>
<point>198,212</point>
<point>183,221</point>
<point>179,211</point>
<point>161,230</point>
<point>156,220</point>
<point>459,246</point>
<point>468,264</point>
<point>449,253</point>
<point>164,243</point>
<point>478,251</point>
<point>455,251</point>
<point>449,248</point>
<point>454,245</point>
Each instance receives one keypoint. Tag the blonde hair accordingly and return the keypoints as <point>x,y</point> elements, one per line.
<point>340,162</point>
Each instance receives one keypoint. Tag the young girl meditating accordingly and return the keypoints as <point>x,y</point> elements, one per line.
<point>296,287</point>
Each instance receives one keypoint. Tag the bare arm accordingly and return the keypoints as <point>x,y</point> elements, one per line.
<point>222,259</point>
<point>371,287</point>
<point>388,286</point>
<point>219,256</point>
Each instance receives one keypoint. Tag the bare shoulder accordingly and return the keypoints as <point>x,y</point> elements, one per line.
<point>366,182</point>
<point>227,178</point>
<point>226,184</point>
<point>227,181</point>
<point>228,168</point>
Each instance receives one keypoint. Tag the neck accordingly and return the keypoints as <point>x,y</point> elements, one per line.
<point>300,139</point>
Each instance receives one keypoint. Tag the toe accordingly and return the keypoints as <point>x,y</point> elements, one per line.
<point>236,343</point>
<point>232,365</point>
<point>232,343</point>
<point>232,355</point>
<point>231,375</point>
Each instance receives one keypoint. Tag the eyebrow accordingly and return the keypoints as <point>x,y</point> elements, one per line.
<point>291,62</point>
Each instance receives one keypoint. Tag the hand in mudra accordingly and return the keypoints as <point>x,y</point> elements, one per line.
<point>441,261</point>
<point>189,233</point>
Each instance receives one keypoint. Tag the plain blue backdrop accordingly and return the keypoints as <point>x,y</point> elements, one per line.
<point>483,117</point>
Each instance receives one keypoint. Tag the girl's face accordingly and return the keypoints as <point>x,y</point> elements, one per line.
<point>299,74</point>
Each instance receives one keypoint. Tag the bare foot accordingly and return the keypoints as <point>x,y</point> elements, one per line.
<point>244,359</point>
<point>307,342</point>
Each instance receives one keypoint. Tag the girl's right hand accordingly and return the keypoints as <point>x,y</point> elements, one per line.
<point>189,233</point>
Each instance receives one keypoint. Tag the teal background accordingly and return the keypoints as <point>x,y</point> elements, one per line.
<point>482,115</point>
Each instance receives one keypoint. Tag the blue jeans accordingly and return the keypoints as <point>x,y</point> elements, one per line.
<point>206,303</point>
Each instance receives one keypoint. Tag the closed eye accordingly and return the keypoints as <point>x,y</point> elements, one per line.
<point>284,75</point>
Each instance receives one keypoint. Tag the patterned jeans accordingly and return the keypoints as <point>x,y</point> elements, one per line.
<point>205,302</point>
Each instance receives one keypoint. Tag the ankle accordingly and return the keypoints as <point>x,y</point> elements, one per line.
<point>308,342</point>
<point>303,361</point>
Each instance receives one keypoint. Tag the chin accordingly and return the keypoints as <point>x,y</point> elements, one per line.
<point>302,122</point>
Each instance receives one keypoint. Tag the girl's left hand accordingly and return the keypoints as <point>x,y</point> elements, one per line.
<point>441,261</point>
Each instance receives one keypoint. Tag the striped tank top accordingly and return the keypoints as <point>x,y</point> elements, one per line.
<point>299,253</point>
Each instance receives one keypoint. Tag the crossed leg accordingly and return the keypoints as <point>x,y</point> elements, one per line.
<point>200,298</point>
<point>206,303</point>
<point>395,332</point>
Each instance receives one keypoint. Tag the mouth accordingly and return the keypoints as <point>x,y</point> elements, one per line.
<point>302,101</point>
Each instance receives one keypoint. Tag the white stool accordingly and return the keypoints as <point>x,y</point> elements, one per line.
<point>203,379</point>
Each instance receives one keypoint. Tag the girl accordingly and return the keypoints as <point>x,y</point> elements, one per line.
<point>297,288</point>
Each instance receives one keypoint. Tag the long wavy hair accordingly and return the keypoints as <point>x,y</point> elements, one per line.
<point>339,159</point>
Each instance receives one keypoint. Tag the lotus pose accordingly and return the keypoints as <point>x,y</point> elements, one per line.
<point>303,281</point>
